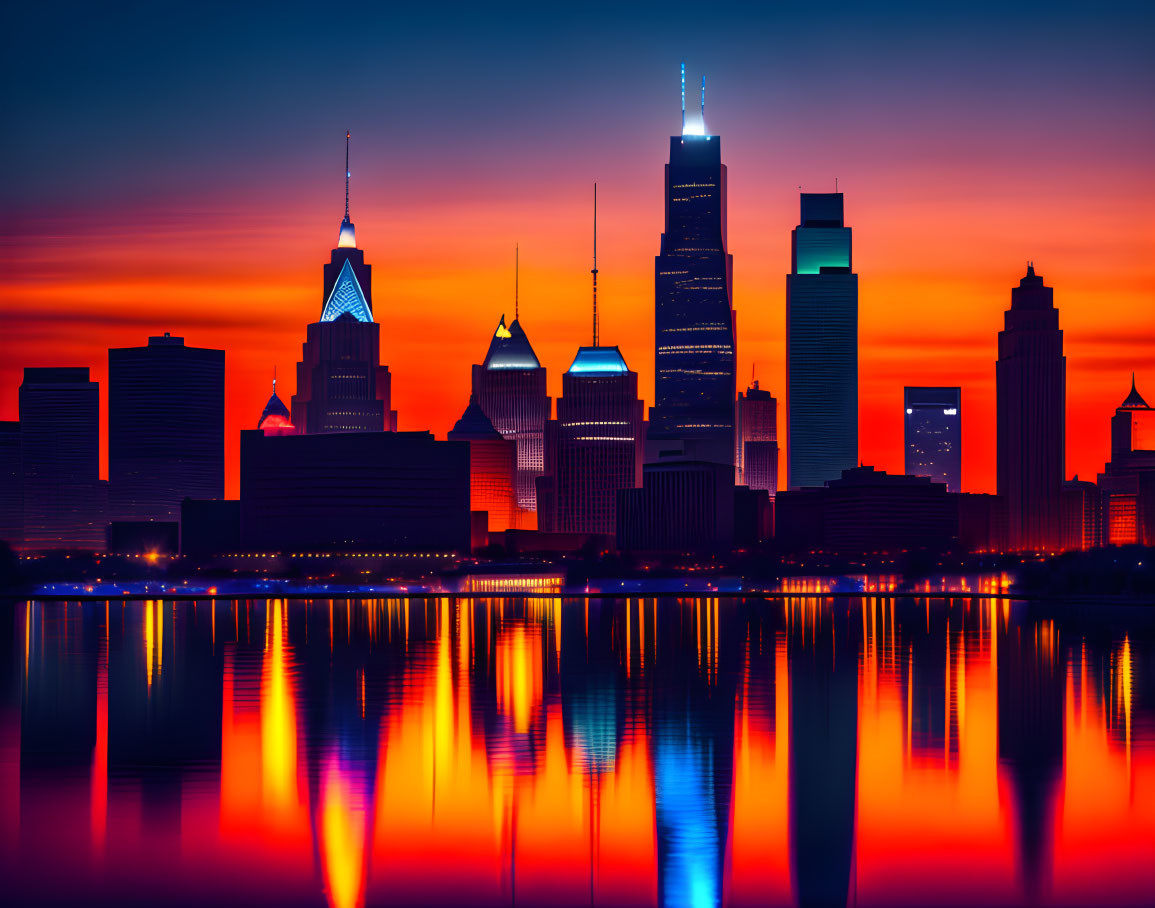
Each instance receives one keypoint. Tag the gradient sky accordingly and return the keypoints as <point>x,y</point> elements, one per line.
<point>180,169</point>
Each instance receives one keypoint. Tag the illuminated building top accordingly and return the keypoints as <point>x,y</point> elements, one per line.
<point>276,414</point>
<point>347,296</point>
<point>510,348</point>
<point>598,361</point>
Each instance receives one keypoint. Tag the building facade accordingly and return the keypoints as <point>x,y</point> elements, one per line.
<point>11,485</point>
<point>510,388</point>
<point>1127,483</point>
<point>821,345</point>
<point>756,436</point>
<point>932,434</point>
<point>166,428</point>
<point>598,446</point>
<point>65,502</point>
<point>1031,385</point>
<point>695,337</point>
<point>492,468</point>
<point>354,492</point>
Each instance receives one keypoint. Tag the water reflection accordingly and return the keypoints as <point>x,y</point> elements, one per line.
<point>811,750</point>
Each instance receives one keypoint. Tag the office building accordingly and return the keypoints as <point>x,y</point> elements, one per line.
<point>509,386</point>
<point>354,492</point>
<point>1081,515</point>
<point>1030,384</point>
<point>1127,483</point>
<point>932,423</point>
<point>821,345</point>
<point>492,468</point>
<point>756,434</point>
<point>341,384</point>
<point>166,428</point>
<point>695,337</point>
<point>598,448</point>
<point>11,485</point>
<point>867,510</point>
<point>65,503</point>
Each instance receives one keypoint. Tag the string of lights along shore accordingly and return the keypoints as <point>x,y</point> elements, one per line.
<point>591,472</point>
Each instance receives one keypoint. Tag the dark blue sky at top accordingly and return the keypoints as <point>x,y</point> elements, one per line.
<point>107,104</point>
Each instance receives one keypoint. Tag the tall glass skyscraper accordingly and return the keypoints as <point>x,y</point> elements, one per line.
<point>695,341</point>
<point>756,433</point>
<point>1031,395</point>
<point>933,434</point>
<point>166,428</point>
<point>821,346</point>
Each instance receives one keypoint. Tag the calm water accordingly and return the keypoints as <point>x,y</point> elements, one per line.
<point>565,751</point>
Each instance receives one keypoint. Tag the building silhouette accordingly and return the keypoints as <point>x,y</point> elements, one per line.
<point>1030,378</point>
<point>932,422</point>
<point>354,492</point>
<point>166,428</point>
<point>11,484</point>
<point>756,433</point>
<point>64,500</point>
<point>598,447</point>
<point>695,339</point>
<point>821,345</point>
<point>510,388</point>
<point>681,506</point>
<point>1081,515</point>
<point>341,384</point>
<point>1127,483</point>
<point>492,468</point>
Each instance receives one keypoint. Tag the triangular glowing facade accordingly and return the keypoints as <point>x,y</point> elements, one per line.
<point>346,296</point>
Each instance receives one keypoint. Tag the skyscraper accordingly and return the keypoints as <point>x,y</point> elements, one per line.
<point>933,434</point>
<point>1127,483</point>
<point>757,440</point>
<point>341,384</point>
<point>166,428</point>
<point>64,499</point>
<point>11,484</point>
<point>492,467</point>
<point>599,440</point>
<point>510,389</point>
<point>1031,387</point>
<point>821,345</point>
<point>695,338</point>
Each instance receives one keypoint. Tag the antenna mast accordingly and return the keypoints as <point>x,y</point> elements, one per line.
<point>594,270</point>
<point>703,105</point>
<point>516,263</point>
<point>683,98</point>
<point>346,174</point>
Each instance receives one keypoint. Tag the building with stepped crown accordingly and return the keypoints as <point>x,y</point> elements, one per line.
<point>342,386</point>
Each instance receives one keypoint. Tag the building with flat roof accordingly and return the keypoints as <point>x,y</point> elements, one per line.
<point>932,424</point>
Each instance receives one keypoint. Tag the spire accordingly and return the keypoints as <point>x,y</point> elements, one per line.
<point>1030,269</point>
<point>347,239</point>
<point>1134,400</point>
<point>516,264</point>
<point>683,97</point>
<point>594,270</point>
<point>703,104</point>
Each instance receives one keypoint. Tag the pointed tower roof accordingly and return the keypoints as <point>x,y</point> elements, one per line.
<point>1134,400</point>
<point>276,414</point>
<point>346,296</point>
<point>474,425</point>
<point>510,348</point>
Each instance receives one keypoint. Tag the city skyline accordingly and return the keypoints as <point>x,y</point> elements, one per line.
<point>233,254</point>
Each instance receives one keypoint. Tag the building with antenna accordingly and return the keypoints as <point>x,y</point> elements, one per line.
<point>821,346</point>
<point>1127,483</point>
<point>342,386</point>
<point>510,388</point>
<point>756,435</point>
<point>1031,393</point>
<point>695,336</point>
<point>275,418</point>
<point>594,448</point>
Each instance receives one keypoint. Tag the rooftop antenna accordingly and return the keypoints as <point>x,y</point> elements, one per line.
<point>346,174</point>
<point>836,184</point>
<point>516,263</point>
<point>594,270</point>
<point>683,97</point>
<point>703,105</point>
<point>275,381</point>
